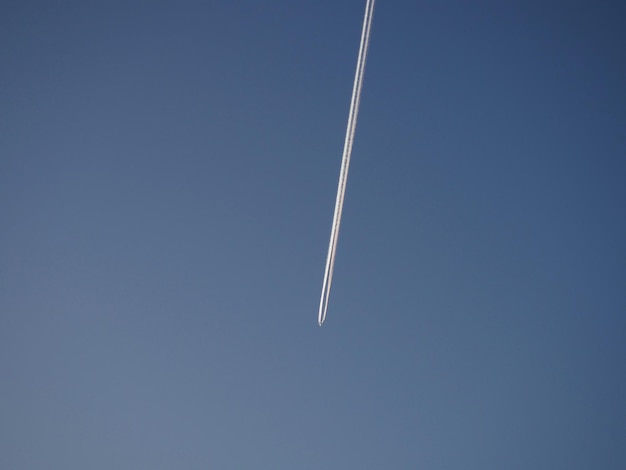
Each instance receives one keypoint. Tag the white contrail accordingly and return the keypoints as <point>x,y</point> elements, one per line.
<point>345,161</point>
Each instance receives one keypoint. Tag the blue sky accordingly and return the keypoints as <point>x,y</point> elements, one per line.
<point>167,180</point>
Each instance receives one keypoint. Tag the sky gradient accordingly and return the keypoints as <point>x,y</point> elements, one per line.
<point>168,173</point>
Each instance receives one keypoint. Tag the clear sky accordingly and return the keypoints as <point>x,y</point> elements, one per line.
<point>167,180</point>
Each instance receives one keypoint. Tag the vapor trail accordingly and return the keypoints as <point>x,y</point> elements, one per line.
<point>345,161</point>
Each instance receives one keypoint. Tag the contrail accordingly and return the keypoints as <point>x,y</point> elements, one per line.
<point>345,161</point>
